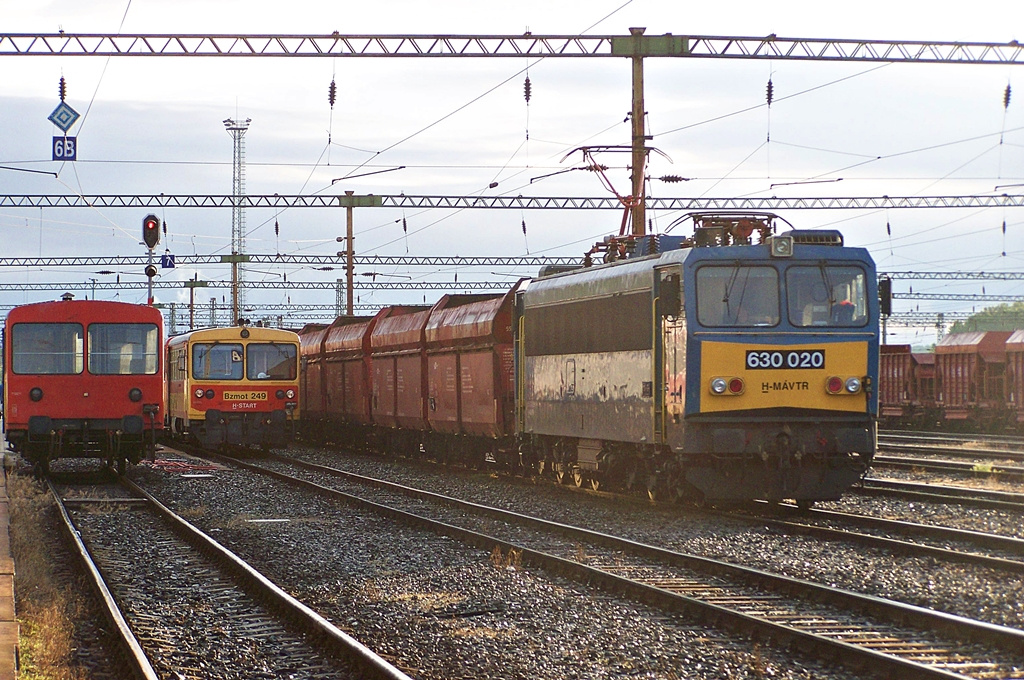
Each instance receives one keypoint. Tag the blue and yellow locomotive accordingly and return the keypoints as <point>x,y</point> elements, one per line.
<point>740,364</point>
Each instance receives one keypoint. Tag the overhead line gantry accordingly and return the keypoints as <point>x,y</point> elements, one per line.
<point>281,201</point>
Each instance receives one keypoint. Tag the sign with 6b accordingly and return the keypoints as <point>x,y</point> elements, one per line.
<point>65,148</point>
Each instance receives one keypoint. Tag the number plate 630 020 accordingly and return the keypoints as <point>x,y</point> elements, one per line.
<point>785,358</point>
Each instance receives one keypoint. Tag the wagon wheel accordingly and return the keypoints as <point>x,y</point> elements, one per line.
<point>804,504</point>
<point>561,474</point>
<point>577,476</point>
<point>595,483</point>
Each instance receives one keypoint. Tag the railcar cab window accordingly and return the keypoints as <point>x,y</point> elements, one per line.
<point>47,348</point>
<point>217,361</point>
<point>737,295</point>
<point>123,348</point>
<point>827,295</point>
<point>271,361</point>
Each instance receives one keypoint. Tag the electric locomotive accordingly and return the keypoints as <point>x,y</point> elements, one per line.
<point>235,386</point>
<point>83,379</point>
<point>739,365</point>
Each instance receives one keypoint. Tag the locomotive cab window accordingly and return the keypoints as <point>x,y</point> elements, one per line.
<point>737,295</point>
<point>217,361</point>
<point>47,348</point>
<point>123,348</point>
<point>827,295</point>
<point>271,361</point>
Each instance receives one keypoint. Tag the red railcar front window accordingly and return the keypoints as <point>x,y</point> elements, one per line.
<point>124,348</point>
<point>47,348</point>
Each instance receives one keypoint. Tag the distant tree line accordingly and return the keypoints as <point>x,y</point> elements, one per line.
<point>1003,317</point>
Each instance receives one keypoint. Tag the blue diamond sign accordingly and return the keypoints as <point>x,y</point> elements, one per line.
<point>64,116</point>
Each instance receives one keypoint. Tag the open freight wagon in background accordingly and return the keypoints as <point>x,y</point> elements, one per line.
<point>906,387</point>
<point>435,379</point>
<point>970,370</point>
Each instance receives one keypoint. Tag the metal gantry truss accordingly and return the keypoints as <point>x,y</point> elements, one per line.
<point>282,201</point>
<point>527,44</point>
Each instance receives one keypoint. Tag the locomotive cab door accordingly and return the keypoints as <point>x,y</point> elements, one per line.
<point>669,351</point>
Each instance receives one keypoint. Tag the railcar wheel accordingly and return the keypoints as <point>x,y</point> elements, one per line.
<point>804,504</point>
<point>561,474</point>
<point>595,484</point>
<point>577,476</point>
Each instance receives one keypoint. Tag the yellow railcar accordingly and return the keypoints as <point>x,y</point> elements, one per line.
<point>235,386</point>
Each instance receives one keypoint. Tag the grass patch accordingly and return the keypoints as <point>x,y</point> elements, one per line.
<point>47,608</point>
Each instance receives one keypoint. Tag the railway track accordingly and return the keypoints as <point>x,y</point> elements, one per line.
<point>184,606</point>
<point>1006,442</point>
<point>994,551</point>
<point>892,639</point>
<point>942,493</point>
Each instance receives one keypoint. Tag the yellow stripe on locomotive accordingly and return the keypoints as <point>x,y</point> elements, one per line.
<point>821,375</point>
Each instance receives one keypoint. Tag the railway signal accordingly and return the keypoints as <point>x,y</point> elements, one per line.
<point>151,231</point>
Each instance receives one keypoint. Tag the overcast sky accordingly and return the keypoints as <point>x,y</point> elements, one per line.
<point>154,125</point>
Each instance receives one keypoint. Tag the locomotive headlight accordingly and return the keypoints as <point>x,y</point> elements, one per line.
<point>135,394</point>
<point>834,385</point>
<point>853,385</point>
<point>199,393</point>
<point>290,394</point>
<point>718,386</point>
<point>35,394</point>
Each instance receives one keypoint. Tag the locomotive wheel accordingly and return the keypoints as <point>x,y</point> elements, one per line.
<point>595,483</point>
<point>561,474</point>
<point>577,476</point>
<point>805,504</point>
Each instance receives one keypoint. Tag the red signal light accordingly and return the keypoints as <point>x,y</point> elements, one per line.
<point>151,231</point>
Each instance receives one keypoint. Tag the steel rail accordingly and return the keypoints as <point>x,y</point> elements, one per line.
<point>132,649</point>
<point>342,644</point>
<point>935,493</point>
<point>1007,544</point>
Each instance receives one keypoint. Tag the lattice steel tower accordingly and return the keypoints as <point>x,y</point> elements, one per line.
<point>237,130</point>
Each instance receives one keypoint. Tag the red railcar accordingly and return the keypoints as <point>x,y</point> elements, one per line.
<point>970,370</point>
<point>83,379</point>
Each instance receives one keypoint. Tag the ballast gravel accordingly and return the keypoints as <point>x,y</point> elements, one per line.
<point>437,608</point>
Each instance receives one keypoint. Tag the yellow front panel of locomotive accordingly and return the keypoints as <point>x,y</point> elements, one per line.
<point>784,376</point>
